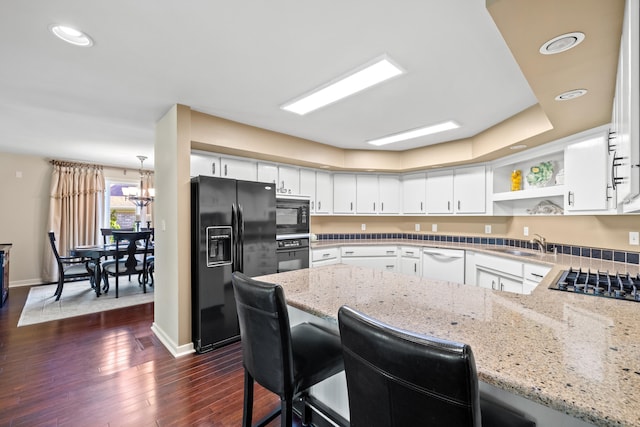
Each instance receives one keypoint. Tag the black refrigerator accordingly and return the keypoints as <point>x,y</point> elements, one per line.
<point>233,228</point>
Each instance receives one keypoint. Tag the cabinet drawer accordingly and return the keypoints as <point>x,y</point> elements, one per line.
<point>369,251</point>
<point>535,272</point>
<point>410,252</point>
<point>502,265</point>
<point>323,254</point>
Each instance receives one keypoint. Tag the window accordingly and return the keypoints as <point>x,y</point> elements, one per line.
<point>119,213</point>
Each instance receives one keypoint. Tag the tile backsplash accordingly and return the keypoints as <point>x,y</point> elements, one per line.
<point>588,252</point>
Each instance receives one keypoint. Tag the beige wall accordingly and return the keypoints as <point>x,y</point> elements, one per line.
<point>605,231</point>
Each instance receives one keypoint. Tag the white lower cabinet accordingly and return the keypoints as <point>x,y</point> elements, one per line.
<point>443,264</point>
<point>533,275</point>
<point>497,281</point>
<point>410,262</point>
<point>325,256</point>
<point>378,257</point>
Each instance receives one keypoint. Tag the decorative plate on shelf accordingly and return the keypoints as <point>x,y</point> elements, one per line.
<point>540,175</point>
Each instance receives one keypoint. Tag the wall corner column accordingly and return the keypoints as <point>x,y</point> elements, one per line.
<point>172,222</point>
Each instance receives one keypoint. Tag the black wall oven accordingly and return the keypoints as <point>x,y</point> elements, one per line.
<point>292,216</point>
<point>293,254</point>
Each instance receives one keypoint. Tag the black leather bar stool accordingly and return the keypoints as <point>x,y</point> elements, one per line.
<point>286,361</point>
<point>398,378</point>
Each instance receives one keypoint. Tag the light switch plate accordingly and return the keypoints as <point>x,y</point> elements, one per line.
<point>634,238</point>
<point>417,227</point>
<point>487,229</point>
<point>363,227</point>
<point>526,231</point>
<point>434,227</point>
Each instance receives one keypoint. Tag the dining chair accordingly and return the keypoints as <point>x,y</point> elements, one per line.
<point>399,378</point>
<point>71,268</point>
<point>284,360</point>
<point>135,249</point>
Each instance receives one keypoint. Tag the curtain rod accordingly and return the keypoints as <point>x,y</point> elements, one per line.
<point>74,164</point>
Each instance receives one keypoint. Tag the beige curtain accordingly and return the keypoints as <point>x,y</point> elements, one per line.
<point>75,210</point>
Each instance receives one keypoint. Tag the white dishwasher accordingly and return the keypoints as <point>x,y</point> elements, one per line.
<point>443,264</point>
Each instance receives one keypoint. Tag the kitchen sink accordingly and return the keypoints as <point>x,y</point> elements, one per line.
<point>512,251</point>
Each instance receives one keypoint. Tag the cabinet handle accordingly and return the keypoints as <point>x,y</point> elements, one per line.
<point>312,202</point>
<point>415,268</point>
<point>502,286</point>
<point>213,168</point>
<point>348,252</point>
<point>390,267</point>
<point>374,206</point>
<point>381,206</point>
<point>569,198</point>
<point>421,206</point>
<point>325,255</point>
<point>391,252</point>
<point>448,206</point>
<point>537,275</point>
<point>409,253</point>
<point>458,204</point>
<point>351,206</point>
<point>225,170</point>
<point>493,284</point>
<point>319,204</point>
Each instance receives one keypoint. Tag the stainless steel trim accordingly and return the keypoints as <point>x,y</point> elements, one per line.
<point>293,236</point>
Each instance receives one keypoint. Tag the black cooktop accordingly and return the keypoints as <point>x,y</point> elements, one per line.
<point>602,284</point>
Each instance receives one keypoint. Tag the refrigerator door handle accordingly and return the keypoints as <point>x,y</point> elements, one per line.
<point>240,238</point>
<point>234,242</point>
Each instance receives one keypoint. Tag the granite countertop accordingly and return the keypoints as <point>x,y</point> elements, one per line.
<point>577,354</point>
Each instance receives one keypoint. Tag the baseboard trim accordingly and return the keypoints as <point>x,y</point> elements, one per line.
<point>174,349</point>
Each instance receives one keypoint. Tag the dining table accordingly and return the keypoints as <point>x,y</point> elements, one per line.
<point>99,252</point>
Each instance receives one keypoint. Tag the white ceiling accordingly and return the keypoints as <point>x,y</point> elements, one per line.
<point>241,60</point>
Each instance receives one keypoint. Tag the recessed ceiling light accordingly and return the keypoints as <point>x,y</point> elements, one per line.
<point>518,147</point>
<point>71,35</point>
<point>571,94</point>
<point>353,82</point>
<point>415,133</point>
<point>562,43</point>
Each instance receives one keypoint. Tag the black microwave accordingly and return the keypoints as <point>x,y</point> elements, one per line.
<point>292,216</point>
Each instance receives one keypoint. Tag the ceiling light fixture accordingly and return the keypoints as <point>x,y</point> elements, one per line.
<point>71,35</point>
<point>355,81</point>
<point>562,43</point>
<point>571,94</point>
<point>415,133</point>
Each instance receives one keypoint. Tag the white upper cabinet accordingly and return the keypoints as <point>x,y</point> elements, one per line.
<point>626,118</point>
<point>389,194</point>
<point>440,192</point>
<point>378,194</point>
<point>233,168</point>
<point>469,190</point>
<point>205,164</point>
<point>460,191</point>
<point>344,193</point>
<point>324,193</point>
<point>367,194</point>
<point>586,177</point>
<point>308,186</point>
<point>267,172</point>
<point>288,180</point>
<point>414,193</point>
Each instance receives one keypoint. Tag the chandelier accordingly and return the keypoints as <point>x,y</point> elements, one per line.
<point>139,196</point>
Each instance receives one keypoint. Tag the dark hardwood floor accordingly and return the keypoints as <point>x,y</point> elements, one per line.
<point>108,369</point>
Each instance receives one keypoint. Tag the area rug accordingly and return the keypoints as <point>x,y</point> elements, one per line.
<point>77,299</point>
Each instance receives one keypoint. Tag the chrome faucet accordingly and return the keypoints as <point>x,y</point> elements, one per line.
<point>541,241</point>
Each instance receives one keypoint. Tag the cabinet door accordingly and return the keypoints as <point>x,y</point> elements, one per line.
<point>344,193</point>
<point>414,192</point>
<point>410,266</point>
<point>324,193</point>
<point>389,194</point>
<point>585,165</point>
<point>469,190</point>
<point>205,164</point>
<point>245,170</point>
<point>308,187</point>
<point>511,285</point>
<point>289,179</point>
<point>377,263</point>
<point>268,172</point>
<point>367,194</point>
<point>440,192</point>
<point>488,280</point>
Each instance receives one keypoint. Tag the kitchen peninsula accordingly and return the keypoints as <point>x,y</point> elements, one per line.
<point>576,354</point>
